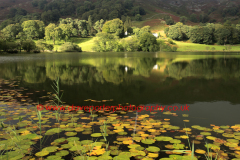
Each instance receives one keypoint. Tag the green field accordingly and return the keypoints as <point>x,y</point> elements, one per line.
<point>85,43</point>
<point>193,47</point>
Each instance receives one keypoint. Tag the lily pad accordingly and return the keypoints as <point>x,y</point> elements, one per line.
<point>50,149</point>
<point>148,141</point>
<point>71,134</point>
<point>62,153</point>
<point>96,135</point>
<point>73,139</point>
<point>163,138</point>
<point>42,153</point>
<point>153,149</point>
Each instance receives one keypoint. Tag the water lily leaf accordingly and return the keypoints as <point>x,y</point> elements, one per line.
<point>66,146</point>
<point>134,146</point>
<point>71,133</point>
<point>178,146</point>
<point>140,148</point>
<point>115,152</point>
<point>96,134</point>
<point>77,148</point>
<point>42,153</point>
<point>84,142</point>
<point>50,149</point>
<point>74,143</point>
<point>148,141</point>
<point>233,140</point>
<point>53,131</point>
<point>175,141</point>
<point>70,139</point>
<point>113,147</point>
<point>212,146</point>
<point>153,155</point>
<point>200,151</point>
<point>127,154</point>
<point>59,140</point>
<point>62,153</point>
<point>122,133</point>
<point>228,135</point>
<point>54,157</point>
<point>79,129</point>
<point>211,138</point>
<point>163,138</point>
<point>153,149</point>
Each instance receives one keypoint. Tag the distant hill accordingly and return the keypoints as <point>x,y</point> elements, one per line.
<point>203,10</point>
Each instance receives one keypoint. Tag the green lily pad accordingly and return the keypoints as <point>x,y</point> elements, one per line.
<point>84,142</point>
<point>71,133</point>
<point>163,138</point>
<point>66,146</point>
<point>96,135</point>
<point>178,146</point>
<point>115,152</point>
<point>228,135</point>
<point>50,149</point>
<point>77,148</point>
<point>153,149</point>
<point>54,157</point>
<point>148,141</point>
<point>62,153</point>
<point>42,153</point>
<point>53,131</point>
<point>73,139</point>
<point>140,148</point>
<point>175,141</point>
<point>59,140</point>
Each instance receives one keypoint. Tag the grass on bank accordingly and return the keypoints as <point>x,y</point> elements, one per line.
<point>85,43</point>
<point>193,47</point>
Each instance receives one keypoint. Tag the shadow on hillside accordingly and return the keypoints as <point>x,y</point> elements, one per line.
<point>79,40</point>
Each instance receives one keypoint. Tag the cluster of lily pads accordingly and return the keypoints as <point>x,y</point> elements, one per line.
<point>103,135</point>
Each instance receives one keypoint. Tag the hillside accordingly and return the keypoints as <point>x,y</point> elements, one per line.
<point>216,10</point>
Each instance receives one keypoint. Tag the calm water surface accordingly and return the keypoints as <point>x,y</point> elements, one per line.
<point>208,84</point>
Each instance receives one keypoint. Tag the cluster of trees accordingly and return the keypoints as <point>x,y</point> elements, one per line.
<point>203,18</point>
<point>101,9</point>
<point>168,19</point>
<point>205,34</point>
<point>231,10</point>
<point>141,39</point>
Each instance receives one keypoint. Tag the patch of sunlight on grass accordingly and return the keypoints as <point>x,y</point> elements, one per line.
<point>186,46</point>
<point>87,45</point>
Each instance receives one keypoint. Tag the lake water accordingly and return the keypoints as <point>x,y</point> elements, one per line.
<point>208,83</point>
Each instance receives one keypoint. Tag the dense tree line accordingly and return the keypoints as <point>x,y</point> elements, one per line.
<point>141,39</point>
<point>110,35</point>
<point>205,34</point>
<point>101,9</point>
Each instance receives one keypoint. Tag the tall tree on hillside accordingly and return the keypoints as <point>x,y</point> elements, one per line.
<point>114,26</point>
<point>127,24</point>
<point>66,30</point>
<point>98,25</point>
<point>33,28</point>
<point>12,30</point>
<point>53,32</point>
<point>90,25</point>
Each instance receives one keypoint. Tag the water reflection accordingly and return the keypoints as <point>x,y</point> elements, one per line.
<point>130,79</point>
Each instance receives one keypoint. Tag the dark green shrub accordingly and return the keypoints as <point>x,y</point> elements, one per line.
<point>28,45</point>
<point>49,47</point>
<point>70,47</point>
